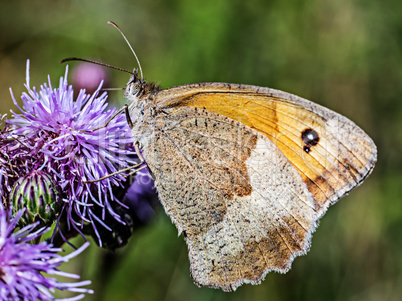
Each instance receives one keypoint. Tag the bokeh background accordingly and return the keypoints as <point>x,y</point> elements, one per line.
<point>343,54</point>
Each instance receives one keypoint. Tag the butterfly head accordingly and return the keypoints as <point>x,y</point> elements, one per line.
<point>134,86</point>
<point>138,89</point>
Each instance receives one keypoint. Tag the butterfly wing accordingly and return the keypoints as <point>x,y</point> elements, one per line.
<point>242,207</point>
<point>343,157</point>
<point>245,172</point>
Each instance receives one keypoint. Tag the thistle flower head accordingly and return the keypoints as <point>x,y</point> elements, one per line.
<point>61,135</point>
<point>22,263</point>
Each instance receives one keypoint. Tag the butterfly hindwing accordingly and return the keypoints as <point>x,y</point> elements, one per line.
<point>242,207</point>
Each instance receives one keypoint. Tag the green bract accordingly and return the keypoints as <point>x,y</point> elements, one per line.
<point>40,196</point>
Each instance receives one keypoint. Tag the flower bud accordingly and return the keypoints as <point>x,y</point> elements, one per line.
<point>40,196</point>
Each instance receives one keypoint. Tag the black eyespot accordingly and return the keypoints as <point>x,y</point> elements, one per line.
<point>310,138</point>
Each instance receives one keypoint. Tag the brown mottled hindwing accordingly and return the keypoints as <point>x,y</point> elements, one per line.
<point>243,208</point>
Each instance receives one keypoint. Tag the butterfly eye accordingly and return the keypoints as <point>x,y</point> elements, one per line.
<point>310,138</point>
<point>133,80</point>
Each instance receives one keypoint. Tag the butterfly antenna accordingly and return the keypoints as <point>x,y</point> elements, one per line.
<point>113,89</point>
<point>129,45</point>
<point>96,63</point>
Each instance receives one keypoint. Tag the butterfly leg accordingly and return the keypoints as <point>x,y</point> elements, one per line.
<point>122,109</point>
<point>137,167</point>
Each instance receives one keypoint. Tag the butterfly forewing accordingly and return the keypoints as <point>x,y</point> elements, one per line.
<point>341,159</point>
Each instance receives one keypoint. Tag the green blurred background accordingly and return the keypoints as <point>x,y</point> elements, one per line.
<point>343,54</point>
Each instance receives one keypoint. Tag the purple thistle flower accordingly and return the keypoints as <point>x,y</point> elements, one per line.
<point>58,132</point>
<point>141,197</point>
<point>22,263</point>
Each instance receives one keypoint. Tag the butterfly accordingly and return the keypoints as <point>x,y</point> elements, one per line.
<point>244,172</point>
